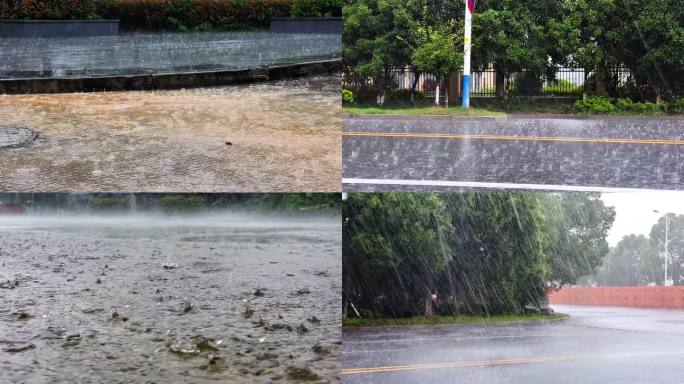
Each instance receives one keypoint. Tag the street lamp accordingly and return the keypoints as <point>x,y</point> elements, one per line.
<point>667,229</point>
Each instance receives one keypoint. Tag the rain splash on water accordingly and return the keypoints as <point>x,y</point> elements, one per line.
<point>221,296</point>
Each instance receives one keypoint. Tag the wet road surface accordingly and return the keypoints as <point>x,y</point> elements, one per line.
<point>442,153</point>
<point>278,137</point>
<point>149,53</point>
<point>595,345</point>
<point>150,299</point>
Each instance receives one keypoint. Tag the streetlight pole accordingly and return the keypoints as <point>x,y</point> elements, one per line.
<point>667,230</point>
<point>469,8</point>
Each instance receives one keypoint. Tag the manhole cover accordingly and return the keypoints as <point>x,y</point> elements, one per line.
<point>15,136</point>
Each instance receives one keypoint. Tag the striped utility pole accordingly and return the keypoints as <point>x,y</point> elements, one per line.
<point>469,7</point>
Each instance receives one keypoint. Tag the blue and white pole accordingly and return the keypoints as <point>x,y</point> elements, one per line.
<point>470,5</point>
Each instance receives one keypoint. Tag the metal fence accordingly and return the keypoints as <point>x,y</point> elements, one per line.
<point>566,83</point>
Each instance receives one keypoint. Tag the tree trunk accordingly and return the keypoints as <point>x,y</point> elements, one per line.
<point>380,99</point>
<point>446,94</point>
<point>345,305</point>
<point>437,94</point>
<point>500,84</point>
<point>429,312</point>
<point>601,79</point>
<point>416,77</point>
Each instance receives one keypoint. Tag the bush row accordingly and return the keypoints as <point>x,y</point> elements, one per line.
<point>171,14</point>
<point>603,105</point>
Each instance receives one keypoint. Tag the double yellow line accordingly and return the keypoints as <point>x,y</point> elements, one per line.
<point>456,136</point>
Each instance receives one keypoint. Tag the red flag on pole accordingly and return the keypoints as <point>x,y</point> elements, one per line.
<point>471,5</point>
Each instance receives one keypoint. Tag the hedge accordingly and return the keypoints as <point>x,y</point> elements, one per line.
<point>171,14</point>
<point>48,9</point>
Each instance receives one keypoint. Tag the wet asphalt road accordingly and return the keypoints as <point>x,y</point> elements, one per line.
<point>446,153</point>
<point>595,345</point>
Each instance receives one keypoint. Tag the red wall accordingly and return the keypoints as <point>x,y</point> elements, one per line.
<point>644,297</point>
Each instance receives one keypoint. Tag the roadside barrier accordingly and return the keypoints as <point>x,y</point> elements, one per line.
<point>640,297</point>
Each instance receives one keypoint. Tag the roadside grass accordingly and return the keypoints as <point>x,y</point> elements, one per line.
<point>498,108</point>
<point>422,110</point>
<point>453,319</point>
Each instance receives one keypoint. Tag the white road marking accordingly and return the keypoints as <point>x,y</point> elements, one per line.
<point>503,186</point>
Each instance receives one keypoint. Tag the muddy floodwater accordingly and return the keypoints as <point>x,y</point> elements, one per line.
<point>150,299</point>
<point>278,136</point>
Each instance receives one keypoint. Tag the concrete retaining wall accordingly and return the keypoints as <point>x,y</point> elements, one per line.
<point>332,25</point>
<point>641,297</point>
<point>168,81</point>
<point>58,28</point>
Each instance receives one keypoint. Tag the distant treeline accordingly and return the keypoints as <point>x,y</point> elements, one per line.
<point>171,14</point>
<point>638,260</point>
<point>112,202</point>
<point>483,253</point>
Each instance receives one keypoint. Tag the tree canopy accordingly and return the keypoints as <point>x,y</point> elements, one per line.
<point>484,253</point>
<point>533,37</point>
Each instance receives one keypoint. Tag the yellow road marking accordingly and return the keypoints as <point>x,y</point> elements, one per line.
<point>456,136</point>
<point>459,364</point>
<point>525,360</point>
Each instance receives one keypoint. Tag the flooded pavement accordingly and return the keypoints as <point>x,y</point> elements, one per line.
<point>149,53</point>
<point>215,298</point>
<point>420,153</point>
<point>277,136</point>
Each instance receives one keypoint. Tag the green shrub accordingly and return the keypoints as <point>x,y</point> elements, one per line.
<point>597,105</point>
<point>624,104</point>
<point>118,203</point>
<point>196,14</point>
<point>562,87</point>
<point>347,97</point>
<point>49,10</point>
<point>644,108</point>
<point>316,8</point>
<point>678,105</point>
<point>181,203</point>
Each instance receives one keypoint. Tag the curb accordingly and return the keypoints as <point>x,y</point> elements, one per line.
<point>421,117</point>
<point>163,81</point>
<point>431,326</point>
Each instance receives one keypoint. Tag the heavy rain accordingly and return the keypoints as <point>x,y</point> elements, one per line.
<point>165,288</point>
<point>513,287</point>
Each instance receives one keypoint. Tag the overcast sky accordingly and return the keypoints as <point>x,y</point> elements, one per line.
<point>634,211</point>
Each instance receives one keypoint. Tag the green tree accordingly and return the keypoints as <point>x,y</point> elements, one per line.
<point>499,264</point>
<point>675,247</point>
<point>582,39</point>
<point>376,38</point>
<point>438,53</point>
<point>394,244</point>
<point>649,39</point>
<point>514,35</point>
<point>578,224</point>
<point>632,262</point>
<point>484,253</point>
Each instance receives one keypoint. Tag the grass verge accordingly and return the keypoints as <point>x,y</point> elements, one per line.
<point>450,111</point>
<point>442,320</point>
